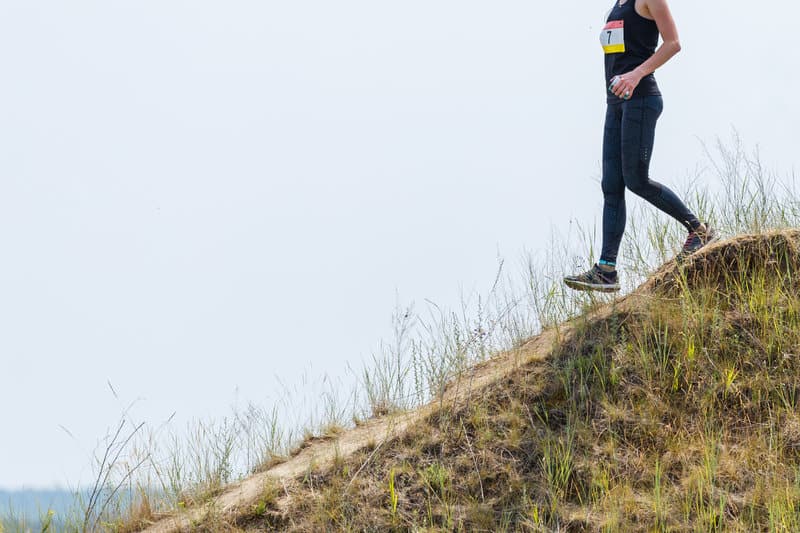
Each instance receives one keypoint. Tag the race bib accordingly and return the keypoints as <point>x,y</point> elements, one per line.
<point>613,37</point>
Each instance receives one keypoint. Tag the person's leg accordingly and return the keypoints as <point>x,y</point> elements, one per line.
<point>639,118</point>
<point>603,276</point>
<point>613,186</point>
<point>628,138</point>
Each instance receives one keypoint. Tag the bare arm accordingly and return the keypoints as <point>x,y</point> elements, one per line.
<point>660,13</point>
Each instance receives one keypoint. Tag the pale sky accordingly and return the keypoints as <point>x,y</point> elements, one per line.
<point>197,197</point>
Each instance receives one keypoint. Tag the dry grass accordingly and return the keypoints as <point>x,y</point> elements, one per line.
<point>672,409</point>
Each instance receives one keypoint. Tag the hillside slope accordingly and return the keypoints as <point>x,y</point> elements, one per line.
<point>672,408</point>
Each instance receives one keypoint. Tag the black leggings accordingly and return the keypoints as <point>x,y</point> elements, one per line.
<point>628,137</point>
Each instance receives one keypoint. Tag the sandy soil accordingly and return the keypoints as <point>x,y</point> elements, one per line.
<point>378,431</point>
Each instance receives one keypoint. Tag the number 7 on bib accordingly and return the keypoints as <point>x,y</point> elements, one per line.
<point>613,37</point>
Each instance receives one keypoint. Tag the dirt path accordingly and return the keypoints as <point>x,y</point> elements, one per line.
<point>378,431</point>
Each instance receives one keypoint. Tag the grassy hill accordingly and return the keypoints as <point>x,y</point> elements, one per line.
<point>673,408</point>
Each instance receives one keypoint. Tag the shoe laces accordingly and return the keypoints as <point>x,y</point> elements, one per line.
<point>696,233</point>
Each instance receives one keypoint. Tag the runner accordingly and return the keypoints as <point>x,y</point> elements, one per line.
<point>634,103</point>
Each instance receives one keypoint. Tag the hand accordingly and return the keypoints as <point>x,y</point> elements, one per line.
<point>626,84</point>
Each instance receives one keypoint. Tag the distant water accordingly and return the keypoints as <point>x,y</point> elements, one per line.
<point>31,505</point>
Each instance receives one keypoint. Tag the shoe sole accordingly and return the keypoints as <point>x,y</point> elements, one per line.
<point>582,286</point>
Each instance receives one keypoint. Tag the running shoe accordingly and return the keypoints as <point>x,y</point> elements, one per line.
<point>594,279</point>
<point>698,238</point>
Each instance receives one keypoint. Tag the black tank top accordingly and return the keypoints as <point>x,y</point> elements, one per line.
<point>629,40</point>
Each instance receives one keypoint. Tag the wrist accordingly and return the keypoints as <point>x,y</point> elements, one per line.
<point>639,72</point>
